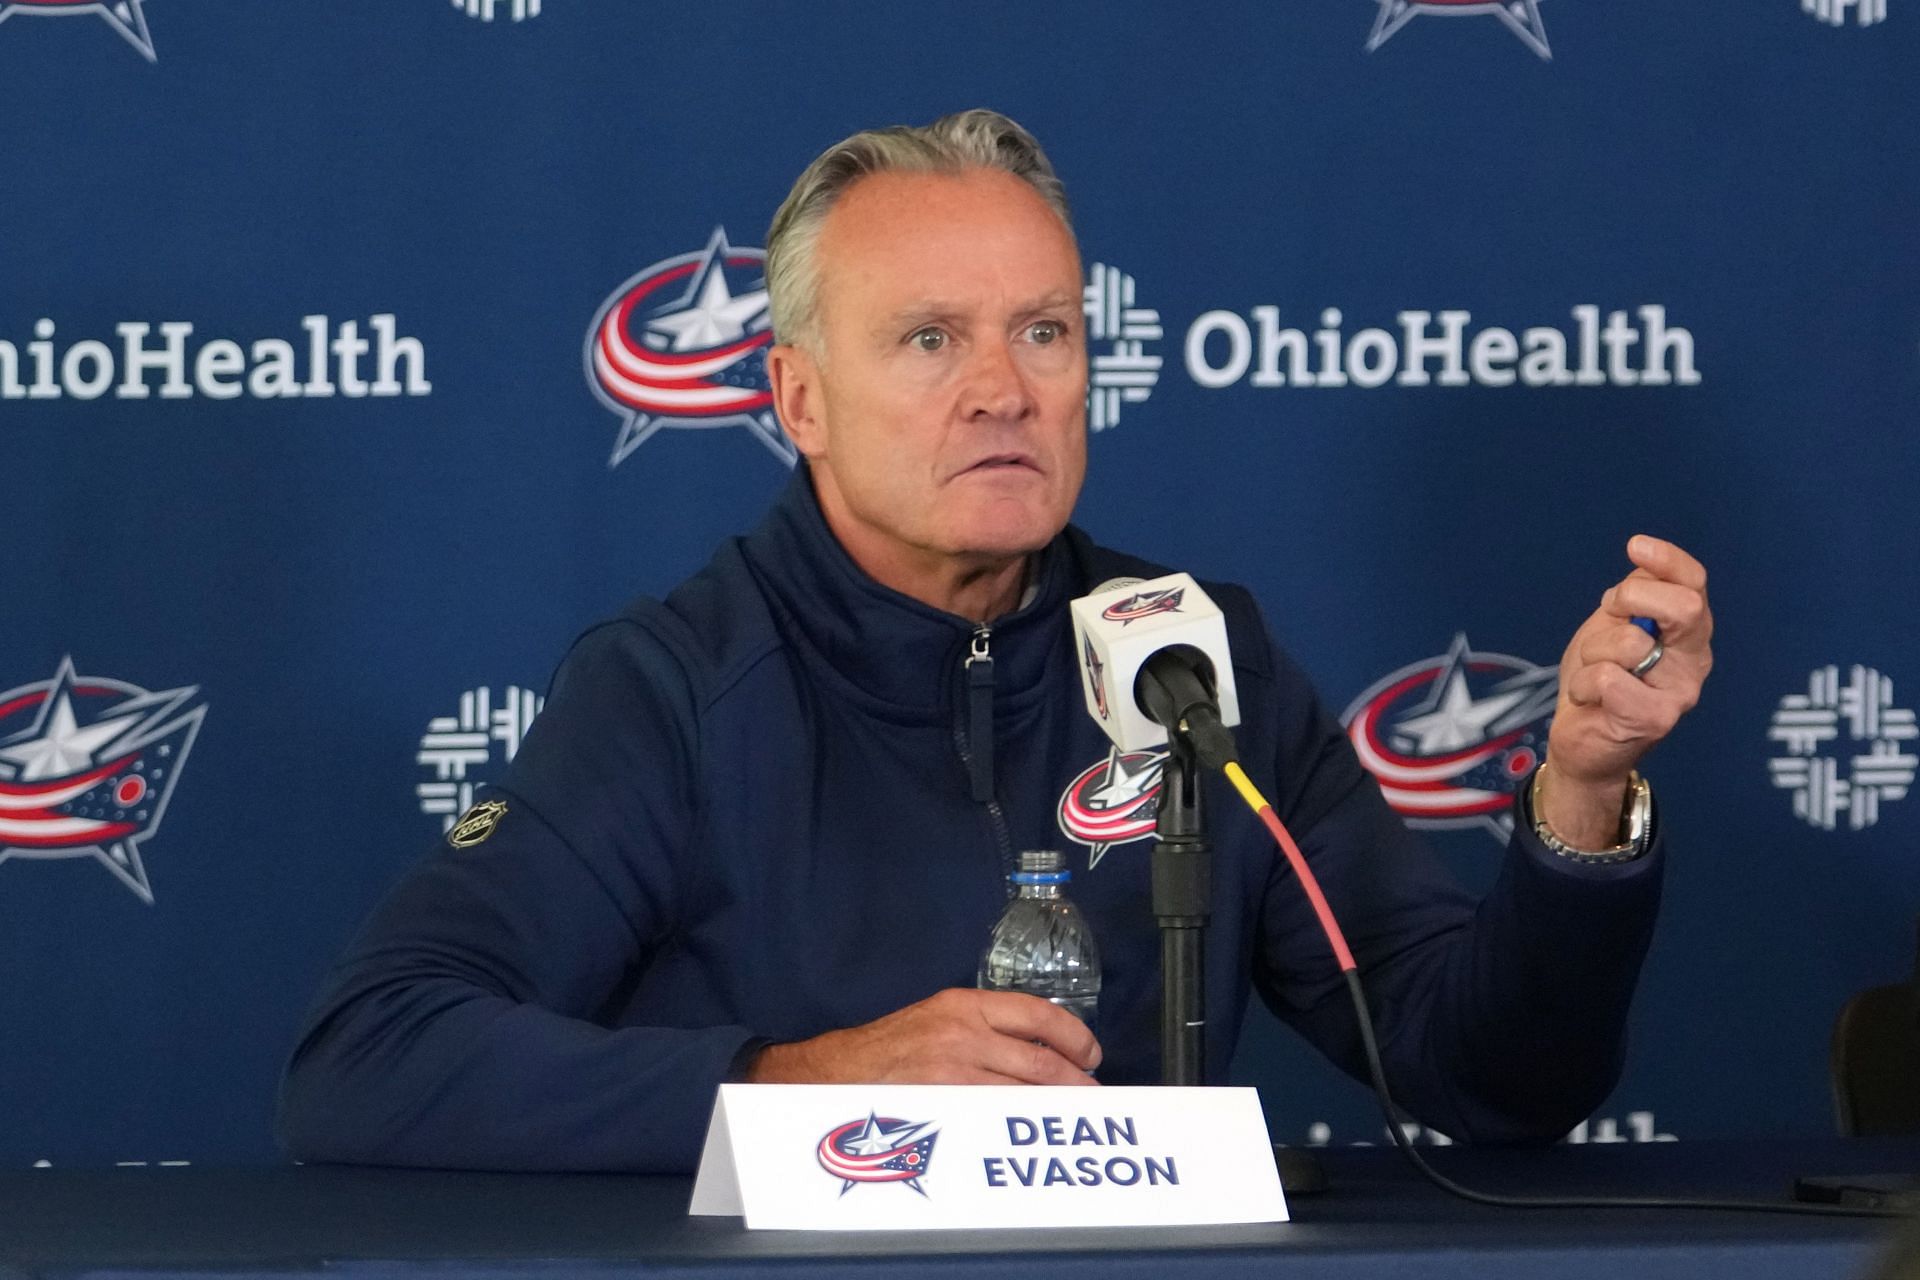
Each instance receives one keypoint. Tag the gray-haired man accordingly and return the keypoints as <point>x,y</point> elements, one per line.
<point>762,829</point>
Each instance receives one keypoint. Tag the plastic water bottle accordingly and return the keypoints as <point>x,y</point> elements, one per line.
<point>1042,945</point>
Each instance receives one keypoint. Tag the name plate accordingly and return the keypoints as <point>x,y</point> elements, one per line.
<point>908,1157</point>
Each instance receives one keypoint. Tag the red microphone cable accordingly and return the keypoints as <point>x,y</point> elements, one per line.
<point>1350,970</point>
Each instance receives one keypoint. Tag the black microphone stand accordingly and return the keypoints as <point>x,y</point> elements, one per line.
<point>1183,903</point>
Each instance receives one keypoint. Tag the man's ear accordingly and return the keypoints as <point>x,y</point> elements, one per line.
<point>795,376</point>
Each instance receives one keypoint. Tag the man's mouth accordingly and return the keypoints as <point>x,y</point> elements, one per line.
<point>998,462</point>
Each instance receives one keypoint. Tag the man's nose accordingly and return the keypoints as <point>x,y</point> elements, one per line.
<point>996,385</point>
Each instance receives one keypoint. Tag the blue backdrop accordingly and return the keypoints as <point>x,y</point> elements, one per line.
<point>1421,307</point>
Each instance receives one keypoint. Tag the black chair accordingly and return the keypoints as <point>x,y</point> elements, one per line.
<point>1876,1061</point>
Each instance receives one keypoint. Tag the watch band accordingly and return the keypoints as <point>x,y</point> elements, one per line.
<point>1636,823</point>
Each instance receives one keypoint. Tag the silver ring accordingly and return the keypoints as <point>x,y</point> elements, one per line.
<point>1652,659</point>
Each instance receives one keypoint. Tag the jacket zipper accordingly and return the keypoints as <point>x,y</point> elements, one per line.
<point>974,737</point>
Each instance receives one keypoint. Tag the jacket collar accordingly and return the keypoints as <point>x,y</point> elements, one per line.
<point>893,652</point>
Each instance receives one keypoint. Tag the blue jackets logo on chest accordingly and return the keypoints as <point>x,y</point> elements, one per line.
<point>1115,801</point>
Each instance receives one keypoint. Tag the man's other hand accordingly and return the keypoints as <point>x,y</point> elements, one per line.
<point>1608,718</point>
<point>957,1036</point>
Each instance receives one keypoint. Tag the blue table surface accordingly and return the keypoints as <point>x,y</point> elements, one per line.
<point>1377,1220</point>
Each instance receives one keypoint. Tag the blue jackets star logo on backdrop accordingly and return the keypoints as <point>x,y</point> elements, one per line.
<point>684,344</point>
<point>1451,738</point>
<point>124,16</point>
<point>87,766</point>
<point>1522,17</point>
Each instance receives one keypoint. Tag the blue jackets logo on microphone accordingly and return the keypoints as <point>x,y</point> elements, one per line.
<point>1094,666</point>
<point>124,16</point>
<point>683,343</point>
<point>1144,604</point>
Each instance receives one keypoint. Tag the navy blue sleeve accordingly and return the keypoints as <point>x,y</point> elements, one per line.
<point>469,1024</point>
<point>1498,1021</point>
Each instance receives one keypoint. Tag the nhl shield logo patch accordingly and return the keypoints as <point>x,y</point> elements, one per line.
<point>479,823</point>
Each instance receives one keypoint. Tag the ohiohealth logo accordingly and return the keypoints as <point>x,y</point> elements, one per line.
<point>1522,17</point>
<point>1601,349</point>
<point>1808,726</point>
<point>468,750</point>
<point>1866,13</point>
<point>1123,372</point>
<point>123,16</point>
<point>87,766</point>
<point>516,10</point>
<point>263,368</point>
<point>684,344</point>
<point>879,1149</point>
<point>1450,738</point>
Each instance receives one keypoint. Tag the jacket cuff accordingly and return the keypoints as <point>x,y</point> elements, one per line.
<point>743,1059</point>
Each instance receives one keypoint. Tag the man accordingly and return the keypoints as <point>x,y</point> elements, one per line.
<point>761,832</point>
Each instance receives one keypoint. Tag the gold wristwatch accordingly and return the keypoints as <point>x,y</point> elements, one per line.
<point>1636,823</point>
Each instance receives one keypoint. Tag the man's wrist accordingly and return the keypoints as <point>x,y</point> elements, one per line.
<point>1611,822</point>
<point>1584,815</point>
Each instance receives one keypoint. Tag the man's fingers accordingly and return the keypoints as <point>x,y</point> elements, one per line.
<point>1621,643</point>
<point>1680,611</point>
<point>981,1075</point>
<point>1025,1017</point>
<point>1029,1062</point>
<point>1635,710</point>
<point>1667,561</point>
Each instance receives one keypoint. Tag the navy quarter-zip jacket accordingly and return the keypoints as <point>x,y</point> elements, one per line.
<point>750,812</point>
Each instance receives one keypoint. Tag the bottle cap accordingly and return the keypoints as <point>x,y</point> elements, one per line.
<point>1041,866</point>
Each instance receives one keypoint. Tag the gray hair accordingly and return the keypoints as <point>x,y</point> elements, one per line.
<point>976,139</point>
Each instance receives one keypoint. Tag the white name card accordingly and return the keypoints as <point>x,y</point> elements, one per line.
<point>907,1157</point>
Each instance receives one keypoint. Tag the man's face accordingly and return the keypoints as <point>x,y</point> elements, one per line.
<point>944,409</point>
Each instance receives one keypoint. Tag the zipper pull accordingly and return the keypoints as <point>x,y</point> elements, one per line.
<point>980,712</point>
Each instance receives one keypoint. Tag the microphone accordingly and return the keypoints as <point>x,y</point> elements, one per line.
<point>1154,658</point>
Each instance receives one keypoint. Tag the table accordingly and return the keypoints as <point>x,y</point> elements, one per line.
<point>1378,1221</point>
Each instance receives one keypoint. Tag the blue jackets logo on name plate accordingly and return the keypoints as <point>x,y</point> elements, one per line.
<point>1522,17</point>
<point>684,344</point>
<point>879,1149</point>
<point>1450,738</point>
<point>123,16</point>
<point>87,766</point>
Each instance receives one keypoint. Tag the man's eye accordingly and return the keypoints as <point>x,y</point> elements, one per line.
<point>1045,331</point>
<point>928,339</point>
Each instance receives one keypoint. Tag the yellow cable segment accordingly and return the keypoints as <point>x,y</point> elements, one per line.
<point>1244,785</point>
